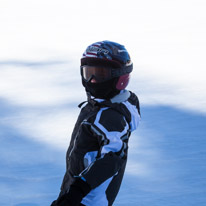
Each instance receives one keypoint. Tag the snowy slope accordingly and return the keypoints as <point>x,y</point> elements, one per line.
<point>166,159</point>
<point>40,89</point>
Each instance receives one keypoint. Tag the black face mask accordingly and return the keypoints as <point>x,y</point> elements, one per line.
<point>103,90</point>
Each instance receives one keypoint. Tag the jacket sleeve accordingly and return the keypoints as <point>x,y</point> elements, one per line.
<point>111,130</point>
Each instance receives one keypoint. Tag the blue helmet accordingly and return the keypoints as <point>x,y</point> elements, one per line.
<point>111,55</point>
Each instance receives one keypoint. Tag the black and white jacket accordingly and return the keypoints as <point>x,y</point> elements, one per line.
<point>98,147</point>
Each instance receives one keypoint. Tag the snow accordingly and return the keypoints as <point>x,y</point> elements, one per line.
<point>40,88</point>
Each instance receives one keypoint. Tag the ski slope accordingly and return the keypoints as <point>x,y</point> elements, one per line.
<point>40,88</point>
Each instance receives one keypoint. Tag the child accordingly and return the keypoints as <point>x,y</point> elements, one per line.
<point>97,155</point>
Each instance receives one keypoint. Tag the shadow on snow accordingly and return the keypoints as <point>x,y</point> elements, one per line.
<point>168,149</point>
<point>169,152</point>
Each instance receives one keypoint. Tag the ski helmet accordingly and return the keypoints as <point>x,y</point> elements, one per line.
<point>109,64</point>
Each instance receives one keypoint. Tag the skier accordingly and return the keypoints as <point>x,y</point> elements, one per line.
<point>97,155</point>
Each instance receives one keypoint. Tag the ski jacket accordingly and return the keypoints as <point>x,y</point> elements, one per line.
<point>98,146</point>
